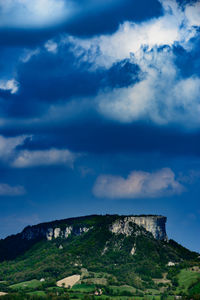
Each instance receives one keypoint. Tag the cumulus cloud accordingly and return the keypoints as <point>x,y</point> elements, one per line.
<point>175,26</point>
<point>138,184</point>
<point>8,190</point>
<point>25,13</point>
<point>9,85</point>
<point>161,95</point>
<point>25,159</point>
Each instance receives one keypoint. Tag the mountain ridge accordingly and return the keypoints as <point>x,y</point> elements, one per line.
<point>114,245</point>
<point>152,223</point>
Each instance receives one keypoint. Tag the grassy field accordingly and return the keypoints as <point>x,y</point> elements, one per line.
<point>188,283</point>
<point>186,278</point>
<point>83,288</point>
<point>120,289</point>
<point>38,293</point>
<point>32,284</point>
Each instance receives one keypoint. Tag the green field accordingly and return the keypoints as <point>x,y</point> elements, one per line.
<point>188,283</point>
<point>115,272</point>
<point>185,279</point>
<point>38,293</point>
<point>32,284</point>
<point>83,288</point>
<point>122,289</point>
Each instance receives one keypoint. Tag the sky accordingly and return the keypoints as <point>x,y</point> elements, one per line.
<point>100,112</point>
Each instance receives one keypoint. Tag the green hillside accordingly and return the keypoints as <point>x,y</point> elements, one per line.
<point>105,261</point>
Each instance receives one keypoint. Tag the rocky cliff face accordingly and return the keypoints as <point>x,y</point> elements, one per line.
<point>120,225</point>
<point>50,233</point>
<point>153,224</point>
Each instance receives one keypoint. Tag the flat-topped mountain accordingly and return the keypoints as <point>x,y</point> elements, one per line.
<point>130,250</point>
<point>76,226</point>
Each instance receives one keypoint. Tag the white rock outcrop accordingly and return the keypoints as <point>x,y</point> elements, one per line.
<point>65,233</point>
<point>153,224</point>
<point>133,250</point>
<point>57,232</point>
<point>68,231</point>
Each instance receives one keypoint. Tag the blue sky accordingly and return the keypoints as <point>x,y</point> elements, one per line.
<point>100,111</point>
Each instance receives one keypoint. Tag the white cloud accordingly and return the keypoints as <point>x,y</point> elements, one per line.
<point>26,158</point>
<point>8,190</point>
<point>161,95</point>
<point>26,13</point>
<point>138,184</point>
<point>9,85</point>
<point>106,50</point>
<point>174,26</point>
<point>51,46</point>
<point>193,14</point>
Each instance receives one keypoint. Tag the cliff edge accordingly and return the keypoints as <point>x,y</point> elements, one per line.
<point>118,225</point>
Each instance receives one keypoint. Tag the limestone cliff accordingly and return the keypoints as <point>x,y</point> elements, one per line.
<point>153,224</point>
<point>35,232</point>
<point>118,225</point>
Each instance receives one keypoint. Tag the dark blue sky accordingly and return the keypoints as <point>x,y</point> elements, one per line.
<point>100,111</point>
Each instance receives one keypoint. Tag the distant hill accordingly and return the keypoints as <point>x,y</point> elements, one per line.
<point>127,250</point>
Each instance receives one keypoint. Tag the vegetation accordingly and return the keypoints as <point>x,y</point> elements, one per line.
<point>105,263</point>
<point>32,284</point>
<point>186,279</point>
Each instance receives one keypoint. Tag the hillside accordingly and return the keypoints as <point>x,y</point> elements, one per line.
<point>106,251</point>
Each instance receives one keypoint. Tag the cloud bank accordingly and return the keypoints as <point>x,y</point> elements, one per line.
<point>128,76</point>
<point>162,94</point>
<point>175,26</point>
<point>138,184</point>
